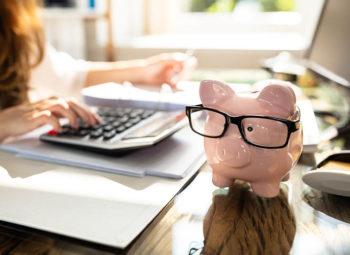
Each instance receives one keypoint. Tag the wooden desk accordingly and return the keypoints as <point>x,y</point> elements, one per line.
<point>234,221</point>
<point>300,221</point>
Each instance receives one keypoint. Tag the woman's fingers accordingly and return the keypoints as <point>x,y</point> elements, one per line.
<point>177,66</point>
<point>85,114</point>
<point>62,109</point>
<point>173,73</point>
<point>70,110</point>
<point>21,119</point>
<point>41,118</point>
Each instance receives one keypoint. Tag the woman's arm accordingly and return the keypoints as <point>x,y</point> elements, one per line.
<point>60,74</point>
<point>101,72</point>
<point>156,70</point>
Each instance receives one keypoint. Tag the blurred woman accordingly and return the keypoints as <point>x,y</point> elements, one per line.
<point>32,72</point>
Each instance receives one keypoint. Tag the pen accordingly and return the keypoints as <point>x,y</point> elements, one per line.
<point>186,59</point>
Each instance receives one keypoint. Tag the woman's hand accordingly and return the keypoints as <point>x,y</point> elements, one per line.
<point>167,68</point>
<point>24,118</point>
<point>164,68</point>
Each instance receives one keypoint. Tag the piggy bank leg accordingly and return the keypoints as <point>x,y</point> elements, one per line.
<point>221,181</point>
<point>266,189</point>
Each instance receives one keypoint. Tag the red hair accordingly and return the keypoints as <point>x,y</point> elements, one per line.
<point>22,47</point>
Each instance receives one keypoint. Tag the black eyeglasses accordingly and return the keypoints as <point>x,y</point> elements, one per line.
<point>261,131</point>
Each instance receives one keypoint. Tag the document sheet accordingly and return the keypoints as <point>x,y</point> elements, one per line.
<point>96,206</point>
<point>172,158</point>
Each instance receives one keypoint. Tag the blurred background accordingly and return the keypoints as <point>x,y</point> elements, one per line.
<point>236,33</point>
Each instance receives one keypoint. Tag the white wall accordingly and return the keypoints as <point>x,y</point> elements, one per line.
<point>66,34</point>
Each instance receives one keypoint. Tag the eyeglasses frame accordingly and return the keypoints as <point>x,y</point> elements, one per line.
<point>237,120</point>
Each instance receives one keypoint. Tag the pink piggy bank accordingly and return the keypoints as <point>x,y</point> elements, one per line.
<point>255,137</point>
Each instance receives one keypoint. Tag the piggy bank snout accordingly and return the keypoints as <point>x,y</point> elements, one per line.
<point>233,151</point>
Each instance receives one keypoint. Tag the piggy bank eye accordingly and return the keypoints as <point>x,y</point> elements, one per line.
<point>250,129</point>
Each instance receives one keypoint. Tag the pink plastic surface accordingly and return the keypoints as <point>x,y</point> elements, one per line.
<point>230,157</point>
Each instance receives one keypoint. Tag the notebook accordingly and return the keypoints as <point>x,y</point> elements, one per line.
<point>95,206</point>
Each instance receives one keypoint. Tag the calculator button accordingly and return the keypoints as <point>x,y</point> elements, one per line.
<point>135,120</point>
<point>116,112</point>
<point>124,119</point>
<point>52,132</point>
<point>103,111</point>
<point>72,132</point>
<point>128,125</point>
<point>109,135</point>
<point>83,132</point>
<point>108,128</point>
<point>127,110</point>
<point>116,124</point>
<point>120,129</point>
<point>109,119</point>
<point>96,134</point>
<point>135,113</point>
<point>64,131</point>
<point>96,127</point>
<point>147,114</point>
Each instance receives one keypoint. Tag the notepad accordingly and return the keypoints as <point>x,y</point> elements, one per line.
<point>95,206</point>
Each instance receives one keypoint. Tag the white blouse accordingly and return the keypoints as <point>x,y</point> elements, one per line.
<point>57,75</point>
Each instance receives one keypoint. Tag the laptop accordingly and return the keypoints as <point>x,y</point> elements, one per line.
<point>328,54</point>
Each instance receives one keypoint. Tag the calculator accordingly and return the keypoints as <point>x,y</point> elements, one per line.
<point>121,130</point>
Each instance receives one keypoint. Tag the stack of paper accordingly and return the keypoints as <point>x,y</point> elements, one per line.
<point>173,158</point>
<point>117,95</point>
<point>96,206</point>
<point>105,208</point>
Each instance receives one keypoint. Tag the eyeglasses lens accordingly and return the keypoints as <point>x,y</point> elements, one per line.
<point>208,123</point>
<point>265,132</point>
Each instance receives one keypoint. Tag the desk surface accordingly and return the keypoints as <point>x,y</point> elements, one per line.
<point>231,221</point>
<point>300,221</point>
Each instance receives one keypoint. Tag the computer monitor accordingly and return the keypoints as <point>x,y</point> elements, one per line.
<point>329,53</point>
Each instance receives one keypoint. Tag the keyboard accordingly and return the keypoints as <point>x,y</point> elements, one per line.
<point>121,129</point>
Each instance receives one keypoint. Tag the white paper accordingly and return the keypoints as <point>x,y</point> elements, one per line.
<point>94,206</point>
<point>172,157</point>
<point>311,133</point>
<point>117,95</point>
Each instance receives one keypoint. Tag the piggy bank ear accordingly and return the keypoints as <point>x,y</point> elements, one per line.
<point>279,97</point>
<point>214,92</point>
